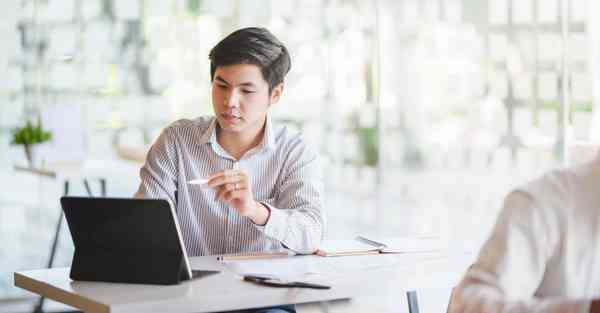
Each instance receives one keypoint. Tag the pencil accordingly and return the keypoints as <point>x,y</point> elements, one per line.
<point>255,256</point>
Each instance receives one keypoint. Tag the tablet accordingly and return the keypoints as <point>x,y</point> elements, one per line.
<point>126,240</point>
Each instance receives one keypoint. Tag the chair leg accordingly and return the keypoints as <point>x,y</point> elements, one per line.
<point>413,302</point>
<point>39,306</point>
<point>324,305</point>
<point>88,189</point>
<point>103,187</point>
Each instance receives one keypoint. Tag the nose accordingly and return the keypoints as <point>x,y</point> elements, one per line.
<point>232,99</point>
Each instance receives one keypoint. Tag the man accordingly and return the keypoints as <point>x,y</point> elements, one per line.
<point>544,252</point>
<point>264,188</point>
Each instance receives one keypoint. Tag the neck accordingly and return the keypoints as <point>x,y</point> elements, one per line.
<point>238,143</point>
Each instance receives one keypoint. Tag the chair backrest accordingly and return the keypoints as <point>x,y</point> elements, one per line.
<point>434,300</point>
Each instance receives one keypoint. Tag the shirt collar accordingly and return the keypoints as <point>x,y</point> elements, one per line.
<point>269,137</point>
<point>208,134</point>
<point>268,141</point>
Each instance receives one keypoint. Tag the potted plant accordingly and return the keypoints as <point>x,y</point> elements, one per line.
<point>29,136</point>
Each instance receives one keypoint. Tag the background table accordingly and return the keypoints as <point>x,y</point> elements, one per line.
<point>65,172</point>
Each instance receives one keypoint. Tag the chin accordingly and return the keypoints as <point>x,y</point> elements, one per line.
<point>231,127</point>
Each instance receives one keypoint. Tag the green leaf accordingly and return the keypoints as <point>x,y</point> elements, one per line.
<point>30,134</point>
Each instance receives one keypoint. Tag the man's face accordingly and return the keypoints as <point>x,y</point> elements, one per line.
<point>241,98</point>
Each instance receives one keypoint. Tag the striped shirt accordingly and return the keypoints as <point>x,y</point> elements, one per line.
<point>284,175</point>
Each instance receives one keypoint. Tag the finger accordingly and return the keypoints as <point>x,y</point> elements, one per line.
<point>222,180</point>
<point>231,195</point>
<point>224,173</point>
<point>222,190</point>
<point>320,253</point>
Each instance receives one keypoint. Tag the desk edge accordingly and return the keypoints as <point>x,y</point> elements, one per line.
<point>57,294</point>
<point>37,171</point>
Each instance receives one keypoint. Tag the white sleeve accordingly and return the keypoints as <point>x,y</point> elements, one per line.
<point>512,263</point>
<point>297,217</point>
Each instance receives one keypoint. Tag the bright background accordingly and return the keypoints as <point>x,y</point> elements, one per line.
<point>425,112</point>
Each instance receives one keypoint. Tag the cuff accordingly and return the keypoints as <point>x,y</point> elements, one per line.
<point>276,224</point>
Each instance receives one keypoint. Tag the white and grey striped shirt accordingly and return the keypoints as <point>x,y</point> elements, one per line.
<point>284,173</point>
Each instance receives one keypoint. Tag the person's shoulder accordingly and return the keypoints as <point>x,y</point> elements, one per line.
<point>185,130</point>
<point>202,122</point>
<point>586,172</point>
<point>288,140</point>
<point>188,127</point>
<point>559,186</point>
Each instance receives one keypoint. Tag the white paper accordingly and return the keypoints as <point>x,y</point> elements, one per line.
<point>345,246</point>
<point>310,266</point>
<point>202,182</point>
<point>351,264</point>
<point>285,268</point>
<point>412,245</point>
<point>299,267</point>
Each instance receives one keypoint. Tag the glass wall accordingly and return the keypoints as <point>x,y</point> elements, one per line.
<point>425,112</point>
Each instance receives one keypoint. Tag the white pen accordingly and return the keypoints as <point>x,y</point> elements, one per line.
<point>203,182</point>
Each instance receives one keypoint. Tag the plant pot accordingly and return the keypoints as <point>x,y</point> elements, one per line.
<point>31,155</point>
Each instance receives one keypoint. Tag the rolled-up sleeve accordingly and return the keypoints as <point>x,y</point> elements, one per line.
<point>297,218</point>
<point>512,263</point>
<point>159,173</point>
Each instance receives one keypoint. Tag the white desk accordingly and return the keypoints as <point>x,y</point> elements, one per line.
<point>227,291</point>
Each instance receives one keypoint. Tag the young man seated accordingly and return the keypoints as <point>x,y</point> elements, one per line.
<point>264,190</point>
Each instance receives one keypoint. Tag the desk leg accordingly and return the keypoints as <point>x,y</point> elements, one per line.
<point>39,307</point>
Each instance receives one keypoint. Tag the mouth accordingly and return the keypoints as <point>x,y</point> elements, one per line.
<point>231,117</point>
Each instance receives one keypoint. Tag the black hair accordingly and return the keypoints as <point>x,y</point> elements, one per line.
<point>253,45</point>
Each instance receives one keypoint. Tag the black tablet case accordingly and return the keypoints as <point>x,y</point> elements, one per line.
<point>124,240</point>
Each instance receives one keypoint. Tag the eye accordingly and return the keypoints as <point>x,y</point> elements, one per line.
<point>248,91</point>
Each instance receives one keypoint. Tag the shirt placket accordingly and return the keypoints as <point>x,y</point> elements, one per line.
<point>228,215</point>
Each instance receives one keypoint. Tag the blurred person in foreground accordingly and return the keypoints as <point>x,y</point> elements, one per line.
<point>544,252</point>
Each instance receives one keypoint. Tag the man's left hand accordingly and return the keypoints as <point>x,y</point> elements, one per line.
<point>233,187</point>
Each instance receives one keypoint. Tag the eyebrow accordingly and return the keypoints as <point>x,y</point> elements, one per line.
<point>245,84</point>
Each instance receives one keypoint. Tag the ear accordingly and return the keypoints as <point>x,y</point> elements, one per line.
<point>276,93</point>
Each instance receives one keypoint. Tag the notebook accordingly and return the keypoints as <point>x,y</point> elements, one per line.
<point>362,245</point>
